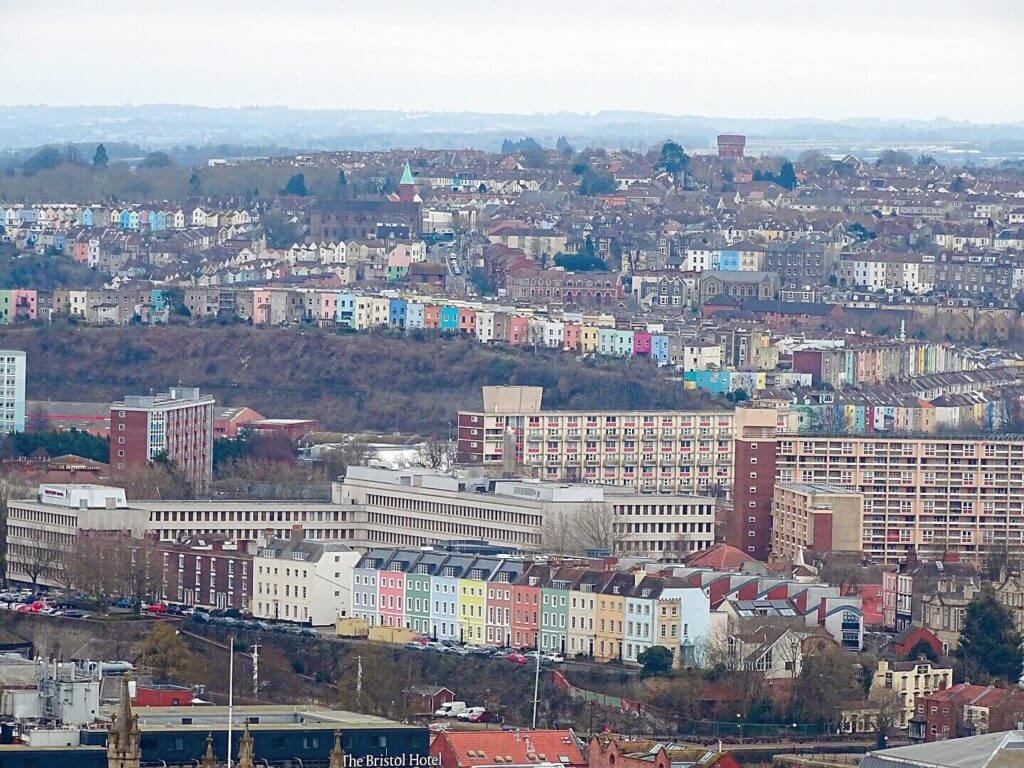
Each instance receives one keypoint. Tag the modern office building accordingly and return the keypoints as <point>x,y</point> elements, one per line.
<point>177,424</point>
<point>418,507</point>
<point>12,391</point>
<point>808,516</point>
<point>687,452</point>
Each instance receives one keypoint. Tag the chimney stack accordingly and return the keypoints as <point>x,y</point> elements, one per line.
<point>296,533</point>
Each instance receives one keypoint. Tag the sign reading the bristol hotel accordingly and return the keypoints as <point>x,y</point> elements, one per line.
<point>408,760</point>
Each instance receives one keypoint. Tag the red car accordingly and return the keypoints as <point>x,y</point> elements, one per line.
<point>156,608</point>
<point>518,659</point>
<point>483,717</point>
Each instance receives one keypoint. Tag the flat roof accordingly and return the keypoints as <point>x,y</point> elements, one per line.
<point>270,716</point>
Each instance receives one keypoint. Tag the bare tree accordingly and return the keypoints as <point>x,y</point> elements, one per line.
<point>436,453</point>
<point>844,573</point>
<point>38,421</point>
<point>597,528</point>
<point>354,453</point>
<point>38,562</point>
<point>558,534</point>
<point>886,707</point>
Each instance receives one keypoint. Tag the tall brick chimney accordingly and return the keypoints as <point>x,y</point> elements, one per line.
<point>297,533</point>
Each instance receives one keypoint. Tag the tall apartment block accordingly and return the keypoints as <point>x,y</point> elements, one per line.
<point>748,526</point>
<point>687,452</point>
<point>177,423</point>
<point>938,493</point>
<point>12,390</point>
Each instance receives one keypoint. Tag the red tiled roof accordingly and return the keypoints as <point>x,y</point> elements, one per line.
<point>720,557</point>
<point>523,747</point>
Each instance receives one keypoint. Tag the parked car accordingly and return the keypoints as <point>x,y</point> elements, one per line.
<point>518,659</point>
<point>553,658</point>
<point>468,712</point>
<point>156,608</point>
<point>414,646</point>
<point>74,613</point>
<point>483,717</point>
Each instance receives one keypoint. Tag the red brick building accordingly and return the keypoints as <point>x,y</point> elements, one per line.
<point>966,710</point>
<point>731,144</point>
<point>748,527</point>
<point>611,751</point>
<point>177,424</point>
<point>557,286</point>
<point>207,571</point>
<point>907,638</point>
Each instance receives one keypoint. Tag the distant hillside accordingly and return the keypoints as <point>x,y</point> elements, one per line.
<point>349,381</point>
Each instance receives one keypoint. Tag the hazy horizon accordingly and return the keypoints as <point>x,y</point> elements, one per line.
<point>916,60</point>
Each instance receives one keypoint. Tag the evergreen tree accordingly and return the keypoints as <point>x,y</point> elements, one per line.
<point>989,641</point>
<point>296,185</point>
<point>564,147</point>
<point>342,181</point>
<point>673,158</point>
<point>656,660</point>
<point>100,159</point>
<point>787,176</point>
<point>195,183</point>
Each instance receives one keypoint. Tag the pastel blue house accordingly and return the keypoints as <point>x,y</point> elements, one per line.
<point>716,382</point>
<point>124,219</point>
<point>659,348</point>
<point>60,241</point>
<point>605,341</point>
<point>449,319</point>
<point>623,344</point>
<point>414,315</point>
<point>85,217</point>
<point>729,261</point>
<point>157,220</point>
<point>157,300</point>
<point>3,216</point>
<point>397,309</point>
<point>346,309</point>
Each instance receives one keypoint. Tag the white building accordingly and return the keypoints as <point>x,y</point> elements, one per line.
<point>39,529</point>
<point>307,582</point>
<point>12,390</point>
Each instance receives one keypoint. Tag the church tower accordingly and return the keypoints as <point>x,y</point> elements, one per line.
<point>123,734</point>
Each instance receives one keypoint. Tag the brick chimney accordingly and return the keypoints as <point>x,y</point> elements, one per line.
<point>268,536</point>
<point>296,533</point>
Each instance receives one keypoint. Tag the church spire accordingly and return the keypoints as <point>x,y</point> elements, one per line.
<point>407,177</point>
<point>209,759</point>
<point>337,756</point>
<point>246,759</point>
<point>123,734</point>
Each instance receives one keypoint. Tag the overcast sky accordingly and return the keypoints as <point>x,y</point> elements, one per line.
<point>749,58</point>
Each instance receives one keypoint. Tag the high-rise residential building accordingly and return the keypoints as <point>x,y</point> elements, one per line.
<point>932,494</point>
<point>12,390</point>
<point>748,526</point>
<point>686,452</point>
<point>177,424</point>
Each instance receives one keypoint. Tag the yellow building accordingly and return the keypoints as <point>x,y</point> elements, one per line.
<point>472,608</point>
<point>588,338</point>
<point>910,679</point>
<point>608,620</point>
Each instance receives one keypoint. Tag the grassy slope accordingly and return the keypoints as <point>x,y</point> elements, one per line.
<point>374,381</point>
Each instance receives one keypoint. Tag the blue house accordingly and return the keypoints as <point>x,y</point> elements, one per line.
<point>729,261</point>
<point>397,309</point>
<point>659,348</point>
<point>85,218</point>
<point>60,241</point>
<point>157,220</point>
<point>124,220</point>
<point>346,309</point>
<point>449,319</point>
<point>414,315</point>
<point>716,382</point>
<point>157,300</point>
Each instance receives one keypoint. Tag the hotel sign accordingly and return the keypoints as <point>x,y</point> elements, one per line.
<point>407,760</point>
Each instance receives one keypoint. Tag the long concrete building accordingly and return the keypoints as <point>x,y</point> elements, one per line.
<point>372,507</point>
<point>688,452</point>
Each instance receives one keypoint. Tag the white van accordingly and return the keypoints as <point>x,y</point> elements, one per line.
<point>450,709</point>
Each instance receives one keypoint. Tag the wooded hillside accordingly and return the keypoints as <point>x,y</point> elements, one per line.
<point>349,381</point>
